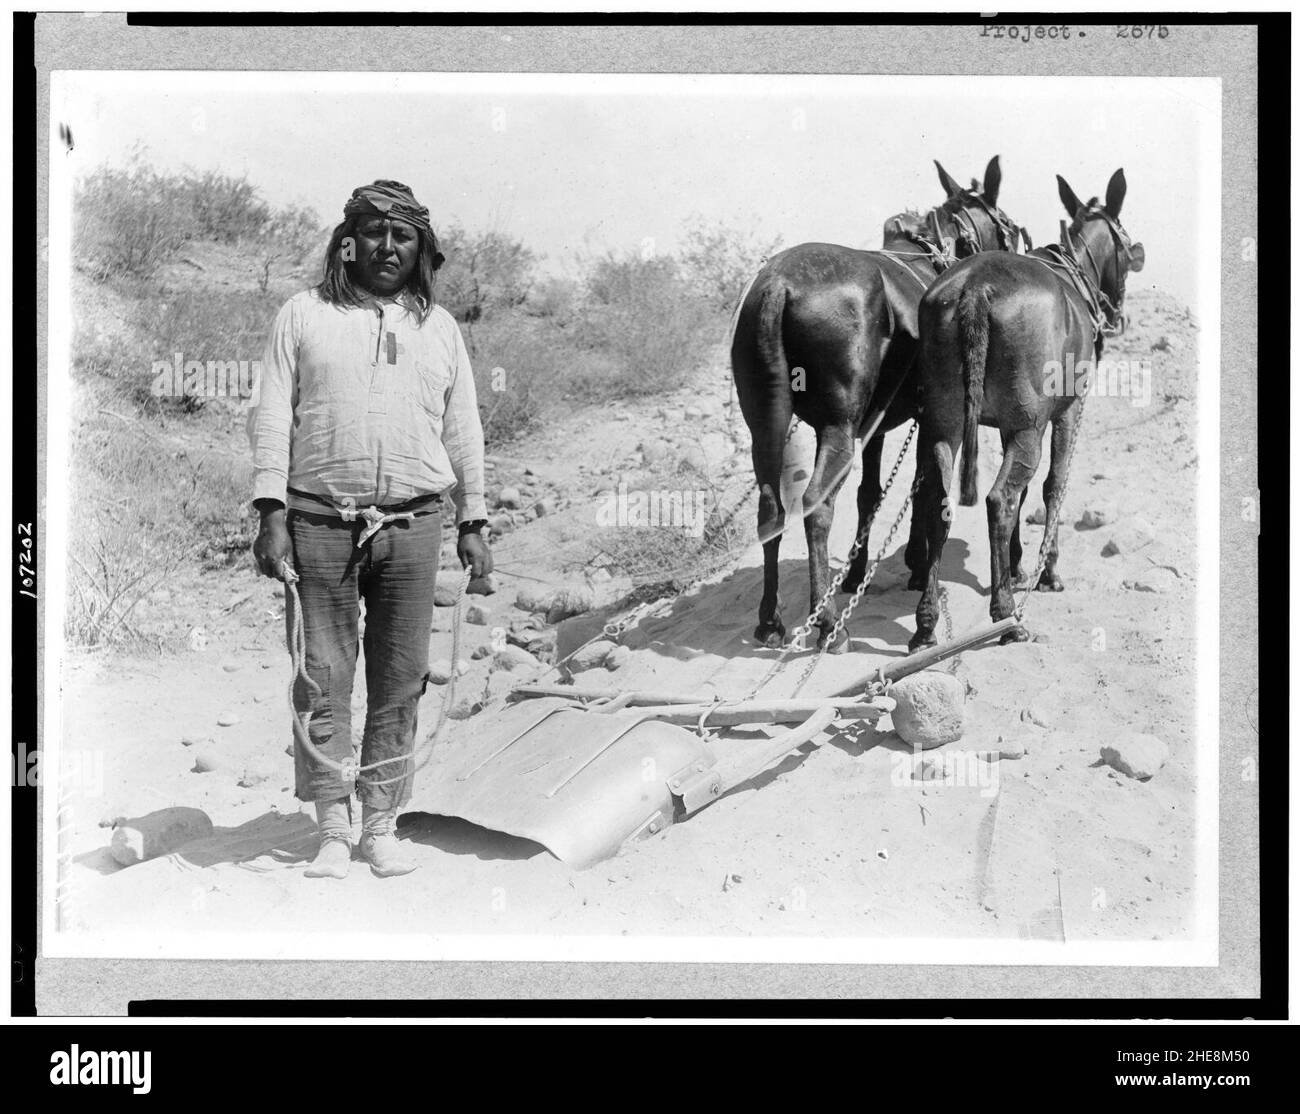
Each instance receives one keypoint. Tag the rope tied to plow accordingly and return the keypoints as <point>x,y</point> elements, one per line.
<point>351,769</point>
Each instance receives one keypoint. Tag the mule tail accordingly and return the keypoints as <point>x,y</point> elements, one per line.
<point>772,386</point>
<point>973,331</point>
<point>762,377</point>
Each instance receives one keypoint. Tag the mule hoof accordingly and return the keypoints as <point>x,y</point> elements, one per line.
<point>916,582</point>
<point>771,635</point>
<point>851,580</point>
<point>1050,582</point>
<point>840,646</point>
<point>1019,579</point>
<point>921,641</point>
<point>1015,634</point>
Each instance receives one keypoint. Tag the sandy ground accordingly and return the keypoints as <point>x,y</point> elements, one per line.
<point>836,840</point>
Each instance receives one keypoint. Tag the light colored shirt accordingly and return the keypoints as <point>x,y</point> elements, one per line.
<point>365,404</point>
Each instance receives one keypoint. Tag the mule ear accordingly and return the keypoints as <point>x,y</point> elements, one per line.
<point>950,186</point>
<point>1072,204</point>
<point>1115,191</point>
<point>992,180</point>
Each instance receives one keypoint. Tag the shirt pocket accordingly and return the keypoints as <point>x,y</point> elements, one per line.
<point>432,377</point>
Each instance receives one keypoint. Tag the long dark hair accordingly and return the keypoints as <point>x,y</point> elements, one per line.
<point>338,287</point>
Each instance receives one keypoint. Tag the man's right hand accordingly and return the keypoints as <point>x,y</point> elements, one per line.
<point>272,546</point>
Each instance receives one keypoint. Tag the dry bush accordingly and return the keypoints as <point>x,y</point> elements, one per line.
<point>643,316</point>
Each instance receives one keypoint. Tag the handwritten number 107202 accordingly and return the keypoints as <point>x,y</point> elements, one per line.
<point>26,562</point>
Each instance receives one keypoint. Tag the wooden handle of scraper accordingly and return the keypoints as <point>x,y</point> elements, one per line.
<point>778,747</point>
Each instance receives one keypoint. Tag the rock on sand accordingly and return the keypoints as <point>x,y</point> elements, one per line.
<point>930,709</point>
<point>1138,756</point>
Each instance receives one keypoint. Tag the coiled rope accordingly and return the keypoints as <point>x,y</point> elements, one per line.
<point>352,768</point>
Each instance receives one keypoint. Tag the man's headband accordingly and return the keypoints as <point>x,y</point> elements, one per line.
<point>388,199</point>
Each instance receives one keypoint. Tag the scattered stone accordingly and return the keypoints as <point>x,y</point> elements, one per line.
<point>1093,517</point>
<point>533,597</point>
<point>1158,580</point>
<point>444,595</point>
<point>1166,343</point>
<point>1129,537</point>
<point>883,854</point>
<point>477,614</point>
<point>206,762</point>
<point>510,498</point>
<point>543,507</point>
<point>514,659</point>
<point>693,412</point>
<point>501,524</point>
<point>227,719</point>
<point>195,740</point>
<point>1011,750</point>
<point>564,603</point>
<point>590,656</point>
<point>929,708</point>
<point>483,651</point>
<point>1037,517</point>
<point>252,779</point>
<point>465,707</point>
<point>440,670</point>
<point>693,457</point>
<point>481,586</point>
<point>652,452</point>
<point>1040,711</point>
<point>1137,756</point>
<point>618,657</point>
<point>158,833</point>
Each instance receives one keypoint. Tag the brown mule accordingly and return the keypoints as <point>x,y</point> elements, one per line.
<point>1001,339</point>
<point>829,334</point>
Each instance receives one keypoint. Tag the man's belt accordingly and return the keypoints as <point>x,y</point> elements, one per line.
<point>375,518</point>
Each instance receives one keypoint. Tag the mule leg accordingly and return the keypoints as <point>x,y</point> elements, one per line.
<point>834,460</point>
<point>915,556</point>
<point>1019,463</point>
<point>932,514</point>
<point>771,525</point>
<point>868,497</point>
<point>1054,492</point>
<point>1017,550</point>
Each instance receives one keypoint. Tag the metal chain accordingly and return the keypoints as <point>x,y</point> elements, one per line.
<point>795,642</point>
<point>847,611</point>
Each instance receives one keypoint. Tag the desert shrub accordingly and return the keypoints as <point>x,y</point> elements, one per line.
<point>642,315</point>
<point>224,208</point>
<point>199,323</point>
<point>553,297</point>
<point>484,273</point>
<point>524,367</point>
<point>128,222</point>
<point>719,259</point>
<point>147,510</point>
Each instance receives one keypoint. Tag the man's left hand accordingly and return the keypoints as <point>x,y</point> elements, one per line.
<point>474,553</point>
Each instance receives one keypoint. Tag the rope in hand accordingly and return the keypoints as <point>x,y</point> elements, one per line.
<point>352,768</point>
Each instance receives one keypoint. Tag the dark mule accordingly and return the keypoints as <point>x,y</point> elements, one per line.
<point>829,334</point>
<point>1002,340</point>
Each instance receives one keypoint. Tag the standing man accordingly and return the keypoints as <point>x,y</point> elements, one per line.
<point>364,419</point>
